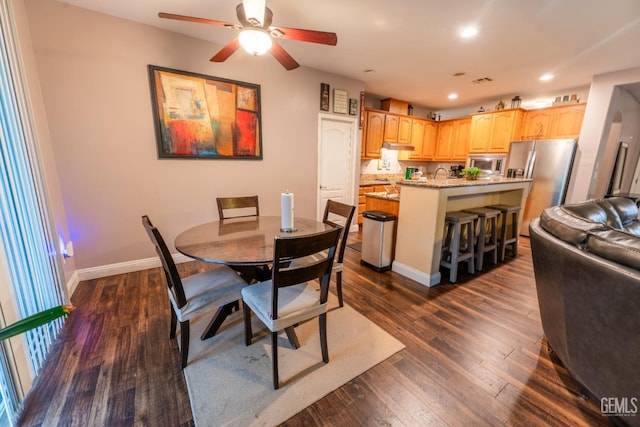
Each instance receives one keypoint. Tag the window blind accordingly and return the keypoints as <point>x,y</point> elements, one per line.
<point>27,234</point>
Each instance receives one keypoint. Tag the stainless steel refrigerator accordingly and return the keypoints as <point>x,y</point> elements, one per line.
<point>549,163</point>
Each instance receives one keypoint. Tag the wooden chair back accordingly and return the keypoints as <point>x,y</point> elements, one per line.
<point>285,273</point>
<point>168,265</point>
<point>345,213</point>
<point>235,203</point>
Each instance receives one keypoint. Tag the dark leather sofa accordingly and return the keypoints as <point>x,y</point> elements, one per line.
<point>586,258</point>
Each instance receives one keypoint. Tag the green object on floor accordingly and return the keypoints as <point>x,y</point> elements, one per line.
<point>35,320</point>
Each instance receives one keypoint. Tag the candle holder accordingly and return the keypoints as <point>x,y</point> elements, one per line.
<point>515,102</point>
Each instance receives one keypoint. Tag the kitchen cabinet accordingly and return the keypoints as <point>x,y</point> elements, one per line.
<point>453,140</point>
<point>373,136</point>
<point>384,205</point>
<point>461,140</point>
<point>381,127</point>
<point>404,129</point>
<point>537,124</point>
<point>391,123</point>
<point>567,121</point>
<point>417,140</point>
<point>423,138</point>
<point>397,128</point>
<point>362,200</point>
<point>492,132</point>
<point>554,122</point>
<point>430,139</point>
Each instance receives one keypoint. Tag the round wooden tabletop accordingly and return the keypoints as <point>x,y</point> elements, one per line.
<point>240,241</point>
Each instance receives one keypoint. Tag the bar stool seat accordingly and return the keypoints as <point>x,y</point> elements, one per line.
<point>457,223</point>
<point>486,232</point>
<point>508,237</point>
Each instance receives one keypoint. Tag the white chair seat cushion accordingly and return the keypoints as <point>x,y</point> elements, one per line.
<point>208,290</point>
<point>295,304</point>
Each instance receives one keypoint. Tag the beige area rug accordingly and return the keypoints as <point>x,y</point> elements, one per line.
<point>230,384</point>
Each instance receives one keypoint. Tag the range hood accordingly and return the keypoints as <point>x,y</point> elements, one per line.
<point>397,146</point>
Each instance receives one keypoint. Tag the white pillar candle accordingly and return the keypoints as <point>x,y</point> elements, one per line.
<point>286,204</point>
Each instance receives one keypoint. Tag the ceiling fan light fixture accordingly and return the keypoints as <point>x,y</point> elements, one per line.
<point>254,11</point>
<point>255,41</point>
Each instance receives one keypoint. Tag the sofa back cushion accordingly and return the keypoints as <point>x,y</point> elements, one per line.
<point>627,211</point>
<point>615,245</point>
<point>569,227</point>
<point>596,211</point>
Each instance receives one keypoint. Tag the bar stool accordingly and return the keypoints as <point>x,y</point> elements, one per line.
<point>457,223</point>
<point>508,237</point>
<point>486,232</point>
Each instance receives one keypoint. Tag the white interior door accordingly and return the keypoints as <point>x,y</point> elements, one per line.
<point>337,137</point>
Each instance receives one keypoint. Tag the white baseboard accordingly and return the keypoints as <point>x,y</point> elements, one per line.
<point>124,267</point>
<point>72,283</point>
<point>418,276</point>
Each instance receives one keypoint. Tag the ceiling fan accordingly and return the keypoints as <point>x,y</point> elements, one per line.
<point>257,36</point>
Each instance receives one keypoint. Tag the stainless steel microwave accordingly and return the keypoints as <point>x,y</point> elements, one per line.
<point>490,164</point>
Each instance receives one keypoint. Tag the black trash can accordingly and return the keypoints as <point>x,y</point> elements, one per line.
<point>378,230</point>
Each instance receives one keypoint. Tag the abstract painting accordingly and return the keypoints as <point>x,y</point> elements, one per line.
<point>203,117</point>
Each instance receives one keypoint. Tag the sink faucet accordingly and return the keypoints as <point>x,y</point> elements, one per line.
<point>438,170</point>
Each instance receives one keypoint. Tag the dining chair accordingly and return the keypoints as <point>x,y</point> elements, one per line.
<point>237,207</point>
<point>339,214</point>
<point>287,299</point>
<point>195,294</point>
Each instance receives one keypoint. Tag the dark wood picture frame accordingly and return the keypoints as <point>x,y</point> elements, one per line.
<point>362,98</point>
<point>204,117</point>
<point>324,96</point>
<point>353,106</point>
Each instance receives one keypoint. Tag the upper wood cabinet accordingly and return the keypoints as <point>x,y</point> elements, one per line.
<point>373,135</point>
<point>492,132</point>
<point>404,130</point>
<point>554,122</point>
<point>462,136</point>
<point>417,140</point>
<point>381,126</point>
<point>423,137</point>
<point>537,124</point>
<point>430,139</point>
<point>453,140</point>
<point>567,121</point>
<point>481,133</point>
<point>391,123</point>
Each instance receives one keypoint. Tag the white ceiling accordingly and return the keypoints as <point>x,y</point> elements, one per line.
<point>413,45</point>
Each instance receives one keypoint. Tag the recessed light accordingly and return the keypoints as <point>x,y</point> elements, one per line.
<point>546,77</point>
<point>468,32</point>
<point>453,96</point>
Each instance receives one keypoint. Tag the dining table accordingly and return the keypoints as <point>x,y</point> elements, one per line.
<point>244,244</point>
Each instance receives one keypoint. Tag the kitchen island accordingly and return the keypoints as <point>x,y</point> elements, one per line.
<point>422,210</point>
<point>382,201</point>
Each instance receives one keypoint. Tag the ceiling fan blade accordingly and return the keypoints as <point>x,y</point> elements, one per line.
<point>226,51</point>
<point>198,20</point>
<point>312,36</point>
<point>283,57</point>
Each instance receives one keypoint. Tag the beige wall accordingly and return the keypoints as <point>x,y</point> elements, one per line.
<point>47,160</point>
<point>93,74</point>
<point>598,116</point>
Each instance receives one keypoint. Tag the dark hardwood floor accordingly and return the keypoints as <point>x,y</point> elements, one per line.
<point>475,355</point>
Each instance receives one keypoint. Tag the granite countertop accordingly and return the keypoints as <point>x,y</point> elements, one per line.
<point>380,179</point>
<point>394,197</point>
<point>461,182</point>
